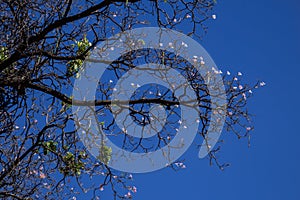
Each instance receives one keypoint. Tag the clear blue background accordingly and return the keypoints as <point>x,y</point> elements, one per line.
<point>261,39</point>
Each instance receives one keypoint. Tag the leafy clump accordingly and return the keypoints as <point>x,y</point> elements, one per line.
<point>74,66</point>
<point>105,153</point>
<point>72,165</point>
<point>49,146</point>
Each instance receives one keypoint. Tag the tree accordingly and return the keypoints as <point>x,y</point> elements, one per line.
<point>43,47</point>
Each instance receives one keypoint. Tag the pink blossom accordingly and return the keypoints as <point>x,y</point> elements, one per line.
<point>42,175</point>
<point>134,189</point>
<point>101,188</point>
<point>128,195</point>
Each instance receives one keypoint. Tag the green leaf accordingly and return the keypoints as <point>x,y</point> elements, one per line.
<point>69,156</point>
<point>50,146</point>
<point>3,53</point>
<point>101,123</point>
<point>105,153</point>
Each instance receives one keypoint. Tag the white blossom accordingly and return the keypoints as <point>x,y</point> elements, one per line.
<point>244,96</point>
<point>180,164</point>
<point>184,44</point>
<point>124,130</point>
<point>216,71</point>
<point>262,84</point>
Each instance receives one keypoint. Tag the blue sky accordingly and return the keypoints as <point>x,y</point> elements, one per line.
<point>261,39</point>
